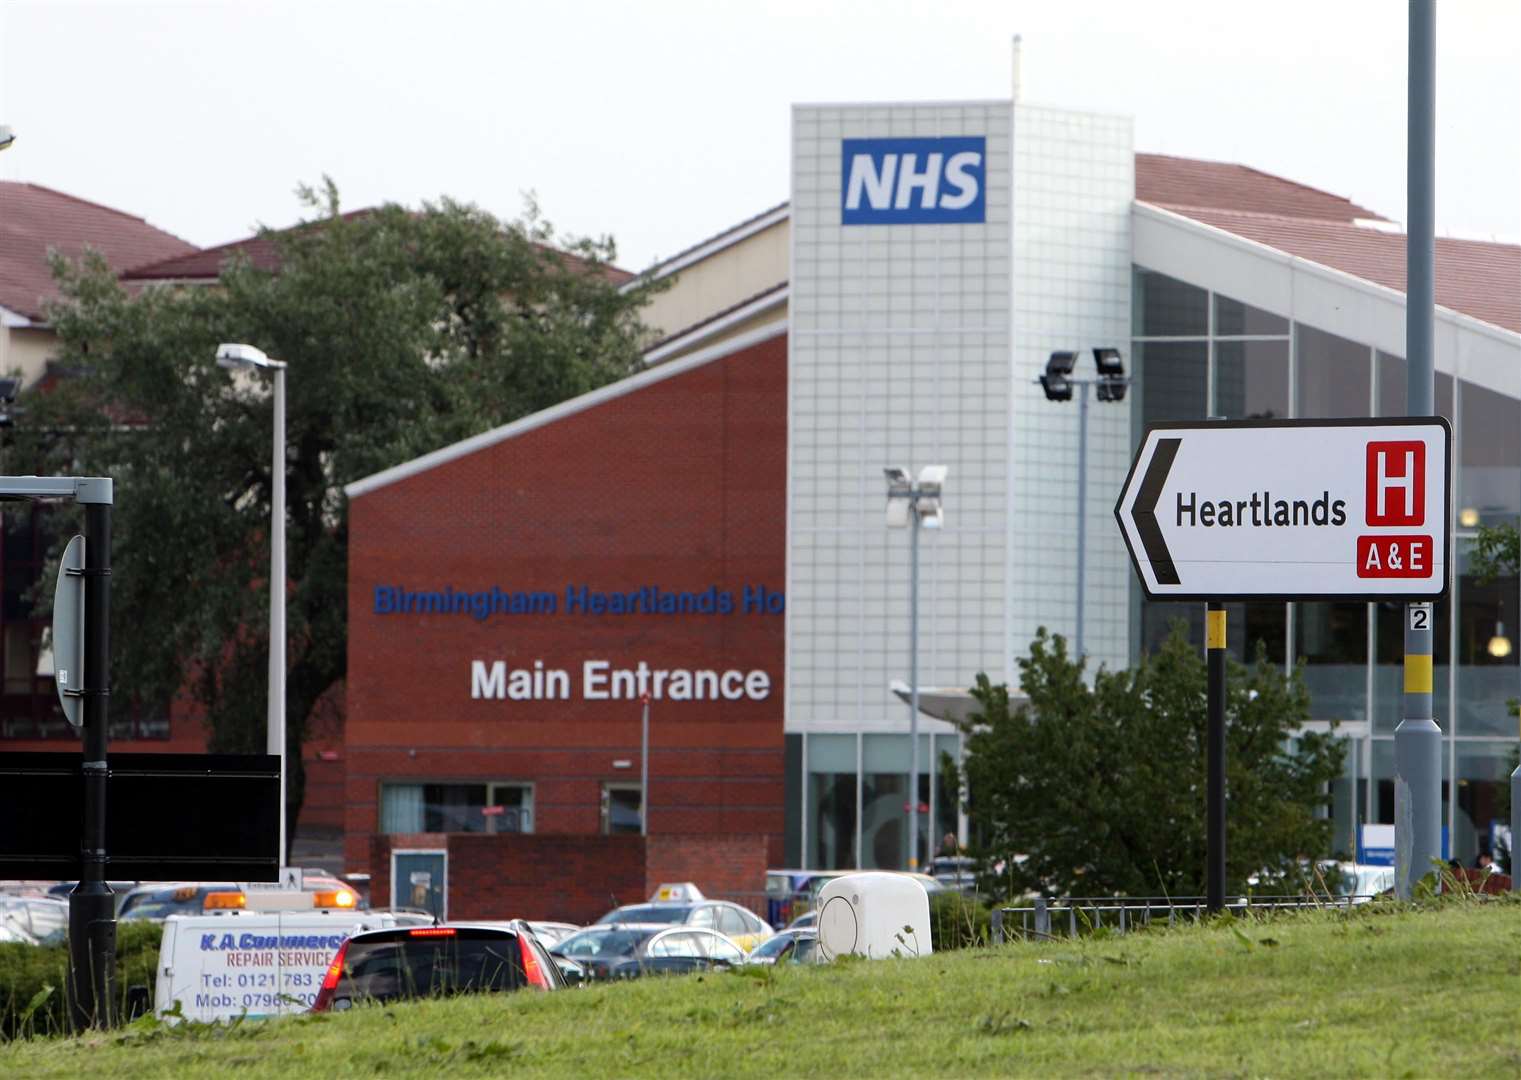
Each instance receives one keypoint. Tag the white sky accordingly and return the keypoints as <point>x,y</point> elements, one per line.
<point>664,121</point>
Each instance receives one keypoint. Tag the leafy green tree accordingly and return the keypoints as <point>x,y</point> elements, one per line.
<point>1091,791</point>
<point>403,330</point>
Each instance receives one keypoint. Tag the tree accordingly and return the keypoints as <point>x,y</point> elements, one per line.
<point>403,331</point>
<point>1097,791</point>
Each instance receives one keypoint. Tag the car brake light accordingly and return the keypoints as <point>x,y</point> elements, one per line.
<point>224,901</point>
<point>334,898</point>
<point>431,931</point>
<point>330,980</point>
<point>533,971</point>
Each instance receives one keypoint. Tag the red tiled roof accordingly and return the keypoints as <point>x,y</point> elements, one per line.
<point>1175,181</point>
<point>34,219</point>
<point>1473,277</point>
<point>262,251</point>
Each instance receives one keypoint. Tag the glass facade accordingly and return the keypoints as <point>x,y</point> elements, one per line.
<point>857,808</point>
<point>1200,354</point>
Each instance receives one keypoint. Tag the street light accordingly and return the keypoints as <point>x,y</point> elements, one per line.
<point>910,505</point>
<point>7,136</point>
<point>1057,383</point>
<point>234,357</point>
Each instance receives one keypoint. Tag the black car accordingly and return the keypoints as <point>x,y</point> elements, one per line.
<point>629,950</point>
<point>435,961</point>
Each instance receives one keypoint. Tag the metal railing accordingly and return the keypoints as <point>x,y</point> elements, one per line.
<point>1074,916</point>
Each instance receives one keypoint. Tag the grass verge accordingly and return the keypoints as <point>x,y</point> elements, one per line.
<point>1384,991</point>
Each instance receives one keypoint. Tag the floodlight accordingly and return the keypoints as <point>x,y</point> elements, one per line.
<point>931,513</point>
<point>1111,389</point>
<point>898,511</point>
<point>1110,366</point>
<point>898,481</point>
<point>1056,382</point>
<point>231,355</point>
<point>931,478</point>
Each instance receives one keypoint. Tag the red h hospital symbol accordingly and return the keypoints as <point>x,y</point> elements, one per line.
<point>1396,483</point>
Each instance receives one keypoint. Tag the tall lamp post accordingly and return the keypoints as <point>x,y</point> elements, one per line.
<point>1058,382</point>
<point>910,505</point>
<point>234,357</point>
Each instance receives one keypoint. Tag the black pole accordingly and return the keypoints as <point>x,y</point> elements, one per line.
<point>1215,658</point>
<point>92,907</point>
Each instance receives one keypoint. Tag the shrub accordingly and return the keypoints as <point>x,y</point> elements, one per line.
<point>958,922</point>
<point>33,977</point>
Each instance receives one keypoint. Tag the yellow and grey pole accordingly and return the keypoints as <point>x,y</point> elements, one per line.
<point>1214,652</point>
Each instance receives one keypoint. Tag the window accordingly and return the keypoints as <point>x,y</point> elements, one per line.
<point>1232,317</point>
<point>622,808</point>
<point>719,949</point>
<point>831,801</point>
<point>1489,448</point>
<point>705,916</point>
<point>1174,380</point>
<point>731,922</point>
<point>467,807</point>
<point>1252,380</point>
<point>1334,374</point>
<point>681,944</point>
<point>1167,307</point>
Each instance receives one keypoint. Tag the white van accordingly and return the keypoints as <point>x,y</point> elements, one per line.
<point>239,963</point>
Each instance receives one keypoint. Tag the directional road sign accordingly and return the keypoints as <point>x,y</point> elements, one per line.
<point>1291,509</point>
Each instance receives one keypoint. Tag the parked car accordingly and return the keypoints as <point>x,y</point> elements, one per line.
<point>436,961</point>
<point>626,951</point>
<point>34,920</point>
<point>808,920</point>
<point>550,933</point>
<point>789,946</point>
<point>743,926</point>
<point>789,893</point>
<point>157,902</point>
<point>958,872</point>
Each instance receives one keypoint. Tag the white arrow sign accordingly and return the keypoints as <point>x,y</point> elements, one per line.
<point>1291,509</point>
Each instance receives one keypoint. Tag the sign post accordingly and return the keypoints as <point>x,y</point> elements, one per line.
<point>1247,510</point>
<point>1214,642</point>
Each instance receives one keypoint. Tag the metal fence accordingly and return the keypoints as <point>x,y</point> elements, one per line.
<point>1074,916</point>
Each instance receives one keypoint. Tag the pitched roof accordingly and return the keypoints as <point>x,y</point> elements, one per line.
<point>263,252</point>
<point>1477,278</point>
<point>1173,181</point>
<point>35,219</point>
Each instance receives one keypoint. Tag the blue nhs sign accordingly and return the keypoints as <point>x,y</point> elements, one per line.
<point>913,181</point>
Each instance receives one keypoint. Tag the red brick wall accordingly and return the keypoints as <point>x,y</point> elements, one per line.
<point>679,484</point>
<point>731,867</point>
<point>577,878</point>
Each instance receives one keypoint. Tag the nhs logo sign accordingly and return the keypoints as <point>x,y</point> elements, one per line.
<point>914,181</point>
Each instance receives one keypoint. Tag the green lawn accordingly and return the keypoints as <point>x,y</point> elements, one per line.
<point>1386,993</point>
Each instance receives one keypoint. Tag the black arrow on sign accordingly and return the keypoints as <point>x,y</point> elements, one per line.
<point>1145,512</point>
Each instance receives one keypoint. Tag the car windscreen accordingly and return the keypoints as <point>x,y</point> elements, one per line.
<point>773,947</point>
<point>598,943</point>
<point>406,965</point>
<point>648,913</point>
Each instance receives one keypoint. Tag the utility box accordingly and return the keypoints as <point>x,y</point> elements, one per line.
<point>874,914</point>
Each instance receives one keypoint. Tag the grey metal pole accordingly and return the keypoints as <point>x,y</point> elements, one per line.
<point>1418,740</point>
<point>92,907</point>
<point>275,735</point>
<point>913,690</point>
<point>1214,642</point>
<point>644,769</point>
<point>1082,508</point>
<point>1515,829</point>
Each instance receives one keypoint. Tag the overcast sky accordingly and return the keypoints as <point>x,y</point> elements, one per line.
<point>664,122</point>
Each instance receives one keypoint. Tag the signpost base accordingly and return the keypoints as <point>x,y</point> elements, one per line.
<point>1417,802</point>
